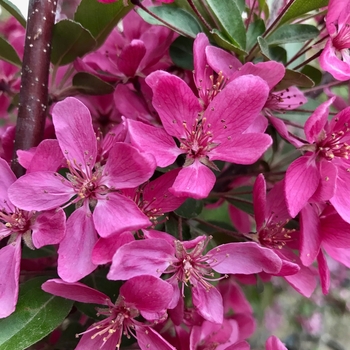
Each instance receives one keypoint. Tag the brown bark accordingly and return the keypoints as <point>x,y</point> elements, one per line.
<point>33,98</point>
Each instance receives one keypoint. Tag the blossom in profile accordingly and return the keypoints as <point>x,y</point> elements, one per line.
<point>272,217</point>
<point>335,57</point>
<point>145,296</point>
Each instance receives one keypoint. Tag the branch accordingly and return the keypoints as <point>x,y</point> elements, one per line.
<point>33,95</point>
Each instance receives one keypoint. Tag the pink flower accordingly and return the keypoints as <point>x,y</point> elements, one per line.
<point>322,227</point>
<point>187,264</point>
<point>322,173</point>
<point>145,296</point>
<point>36,230</point>
<point>135,51</point>
<point>271,217</point>
<point>219,134</point>
<point>88,183</point>
<point>335,57</point>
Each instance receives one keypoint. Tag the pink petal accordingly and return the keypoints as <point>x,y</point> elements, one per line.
<point>244,258</point>
<point>92,340</point>
<point>241,149</point>
<point>153,140</point>
<point>130,104</point>
<point>317,121</point>
<point>49,228</point>
<point>148,338</point>
<point>130,57</point>
<point>74,132</point>
<point>324,272</point>
<point>276,208</point>
<point>110,213</point>
<point>341,255</point>
<point>7,178</point>
<point>335,9</point>
<point>330,62</point>
<point>157,194</point>
<point>259,201</point>
<point>301,181</point>
<point>222,61</point>
<point>273,343</point>
<point>75,291</point>
<point>234,297</point>
<point>147,293</point>
<point>333,229</point>
<point>194,181</point>
<point>328,180</point>
<point>208,303</point>
<point>40,191</point>
<point>272,72</point>
<point>287,99</point>
<point>340,200</point>
<point>303,281</point>
<point>243,345</point>
<point>74,253</point>
<point>145,257</point>
<point>310,238</point>
<point>174,101</point>
<point>283,131</point>
<point>202,71</point>
<point>10,257</point>
<point>105,248</point>
<point>236,107</point>
<point>127,167</point>
<point>47,157</point>
<point>239,218</point>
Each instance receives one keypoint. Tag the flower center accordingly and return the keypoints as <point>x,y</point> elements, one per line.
<point>192,266</point>
<point>274,235</point>
<point>334,144</point>
<point>342,40</point>
<point>17,222</point>
<point>197,141</point>
<point>120,319</point>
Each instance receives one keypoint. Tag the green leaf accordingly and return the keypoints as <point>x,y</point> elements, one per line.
<point>179,20</point>
<point>230,19</point>
<point>89,84</point>
<point>241,5</point>
<point>293,33</point>
<point>14,11</point>
<point>181,52</point>
<point>227,44</point>
<point>8,53</point>
<point>313,73</point>
<point>99,18</point>
<point>301,7</point>
<point>190,208</point>
<point>37,314</point>
<point>277,53</point>
<point>255,29</point>
<point>69,41</point>
<point>291,78</point>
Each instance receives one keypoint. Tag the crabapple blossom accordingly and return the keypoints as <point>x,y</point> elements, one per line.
<point>144,295</point>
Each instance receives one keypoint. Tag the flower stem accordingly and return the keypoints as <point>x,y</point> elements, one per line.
<point>33,95</point>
